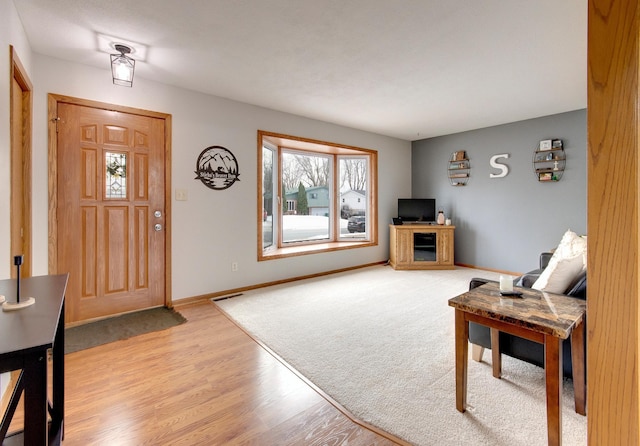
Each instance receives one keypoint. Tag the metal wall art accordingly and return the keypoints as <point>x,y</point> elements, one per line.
<point>217,168</point>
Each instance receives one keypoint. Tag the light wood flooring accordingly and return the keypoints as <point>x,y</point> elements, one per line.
<point>205,382</point>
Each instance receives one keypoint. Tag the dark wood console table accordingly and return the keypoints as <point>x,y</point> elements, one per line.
<point>26,335</point>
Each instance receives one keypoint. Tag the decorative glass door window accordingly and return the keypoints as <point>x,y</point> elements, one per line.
<point>116,175</point>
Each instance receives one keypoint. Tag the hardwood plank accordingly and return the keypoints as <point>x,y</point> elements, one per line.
<point>202,382</point>
<point>322,424</point>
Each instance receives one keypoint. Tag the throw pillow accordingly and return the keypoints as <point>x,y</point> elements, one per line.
<point>572,245</point>
<point>568,260</point>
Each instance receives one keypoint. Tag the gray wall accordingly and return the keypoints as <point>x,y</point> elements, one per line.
<point>504,223</point>
<point>212,230</point>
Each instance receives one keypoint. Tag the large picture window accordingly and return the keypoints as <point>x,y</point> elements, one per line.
<point>314,196</point>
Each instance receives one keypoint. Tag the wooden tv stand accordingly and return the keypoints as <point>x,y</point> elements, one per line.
<point>421,246</point>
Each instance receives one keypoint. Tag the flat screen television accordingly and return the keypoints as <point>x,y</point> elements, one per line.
<point>417,209</point>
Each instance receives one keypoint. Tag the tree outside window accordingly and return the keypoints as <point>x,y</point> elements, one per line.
<point>322,185</point>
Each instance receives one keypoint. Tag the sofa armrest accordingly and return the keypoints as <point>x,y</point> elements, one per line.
<point>527,280</point>
<point>544,259</point>
<point>579,287</point>
<point>477,281</point>
<point>479,334</point>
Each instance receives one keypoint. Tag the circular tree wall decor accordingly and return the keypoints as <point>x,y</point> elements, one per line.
<point>217,168</point>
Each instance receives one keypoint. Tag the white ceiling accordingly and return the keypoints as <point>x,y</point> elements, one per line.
<point>410,69</point>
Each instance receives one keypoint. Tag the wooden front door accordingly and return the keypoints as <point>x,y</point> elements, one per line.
<point>110,210</point>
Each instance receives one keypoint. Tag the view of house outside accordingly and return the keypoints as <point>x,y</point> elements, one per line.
<point>307,205</point>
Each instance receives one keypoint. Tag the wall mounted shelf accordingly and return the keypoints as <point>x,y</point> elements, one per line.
<point>458,168</point>
<point>549,162</point>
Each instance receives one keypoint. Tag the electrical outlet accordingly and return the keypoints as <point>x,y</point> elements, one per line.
<point>234,266</point>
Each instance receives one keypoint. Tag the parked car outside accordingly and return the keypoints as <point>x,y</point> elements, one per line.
<point>356,223</point>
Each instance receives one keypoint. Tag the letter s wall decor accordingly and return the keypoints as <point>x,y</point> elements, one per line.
<point>504,169</point>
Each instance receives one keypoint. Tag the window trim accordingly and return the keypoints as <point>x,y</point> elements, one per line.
<point>281,141</point>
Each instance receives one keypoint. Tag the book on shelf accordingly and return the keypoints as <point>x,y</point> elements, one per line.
<point>460,155</point>
<point>546,177</point>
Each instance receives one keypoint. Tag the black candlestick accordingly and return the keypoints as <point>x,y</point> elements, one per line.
<point>17,261</point>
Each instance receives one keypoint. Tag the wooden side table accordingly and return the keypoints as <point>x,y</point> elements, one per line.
<point>538,316</point>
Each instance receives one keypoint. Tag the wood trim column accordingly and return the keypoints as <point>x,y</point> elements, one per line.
<point>612,220</point>
<point>21,155</point>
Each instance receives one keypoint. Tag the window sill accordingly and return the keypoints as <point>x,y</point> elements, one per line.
<point>301,250</point>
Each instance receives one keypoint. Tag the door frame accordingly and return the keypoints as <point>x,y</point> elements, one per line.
<point>53,101</point>
<point>19,74</point>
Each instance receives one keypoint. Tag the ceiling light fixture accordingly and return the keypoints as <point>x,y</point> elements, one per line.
<point>122,66</point>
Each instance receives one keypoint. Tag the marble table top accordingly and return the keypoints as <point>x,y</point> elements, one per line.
<point>547,313</point>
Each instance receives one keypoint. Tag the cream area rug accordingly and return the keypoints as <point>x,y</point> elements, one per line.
<point>381,343</point>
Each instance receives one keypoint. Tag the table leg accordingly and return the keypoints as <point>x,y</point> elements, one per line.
<point>553,375</point>
<point>577,361</point>
<point>57,413</point>
<point>462,352</point>
<point>496,357</point>
<point>35,398</point>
